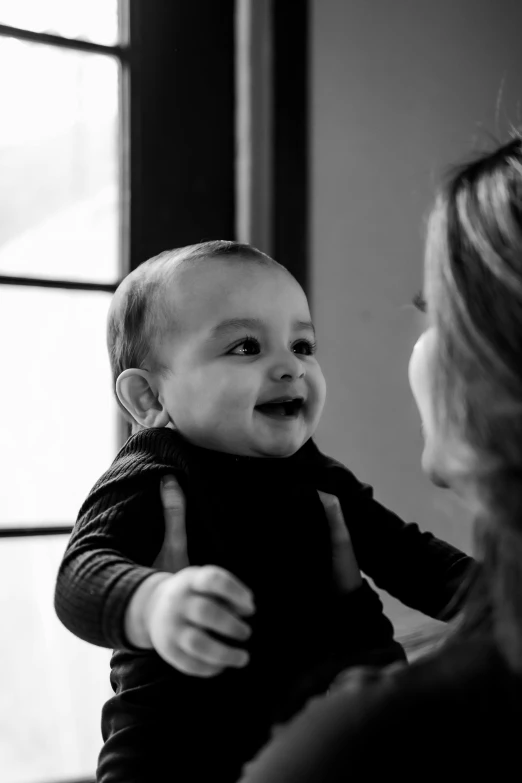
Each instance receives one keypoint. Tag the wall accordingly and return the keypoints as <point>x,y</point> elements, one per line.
<point>399,90</point>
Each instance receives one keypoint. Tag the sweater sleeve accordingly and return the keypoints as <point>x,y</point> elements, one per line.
<point>423,572</point>
<point>116,537</point>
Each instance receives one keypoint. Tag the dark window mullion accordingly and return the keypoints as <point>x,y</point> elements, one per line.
<point>120,52</point>
<point>44,282</point>
<point>45,530</point>
<point>83,780</point>
<point>125,160</point>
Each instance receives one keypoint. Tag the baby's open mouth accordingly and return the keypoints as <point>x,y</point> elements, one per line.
<point>281,408</point>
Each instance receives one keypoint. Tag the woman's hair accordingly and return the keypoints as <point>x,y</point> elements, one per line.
<point>474,297</point>
<point>140,313</point>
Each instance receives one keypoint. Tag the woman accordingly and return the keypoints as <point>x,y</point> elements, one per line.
<point>459,712</point>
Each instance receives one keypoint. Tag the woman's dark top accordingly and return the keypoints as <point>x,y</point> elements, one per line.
<point>455,716</point>
<point>262,520</point>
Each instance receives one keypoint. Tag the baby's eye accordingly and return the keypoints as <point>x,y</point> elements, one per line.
<point>304,347</point>
<point>248,347</point>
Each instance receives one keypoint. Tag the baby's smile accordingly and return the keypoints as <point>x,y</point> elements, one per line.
<point>283,407</point>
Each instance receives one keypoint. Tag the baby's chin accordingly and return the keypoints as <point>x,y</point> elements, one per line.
<point>278,450</point>
<point>259,449</point>
<point>247,445</point>
<point>277,453</point>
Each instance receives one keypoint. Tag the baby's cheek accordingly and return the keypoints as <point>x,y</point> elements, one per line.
<point>221,395</point>
<point>193,402</point>
<point>318,394</point>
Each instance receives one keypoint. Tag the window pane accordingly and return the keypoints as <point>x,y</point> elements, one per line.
<point>59,422</point>
<point>94,20</point>
<point>53,685</point>
<point>58,163</point>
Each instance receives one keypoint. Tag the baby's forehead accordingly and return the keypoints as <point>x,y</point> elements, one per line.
<point>223,267</point>
<point>212,289</point>
<point>216,278</point>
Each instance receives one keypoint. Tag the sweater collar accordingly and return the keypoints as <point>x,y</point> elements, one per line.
<point>308,457</point>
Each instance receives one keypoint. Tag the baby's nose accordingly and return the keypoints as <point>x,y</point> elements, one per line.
<point>289,368</point>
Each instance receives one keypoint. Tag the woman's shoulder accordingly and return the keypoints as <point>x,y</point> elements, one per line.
<point>457,667</point>
<point>465,688</point>
<point>458,709</point>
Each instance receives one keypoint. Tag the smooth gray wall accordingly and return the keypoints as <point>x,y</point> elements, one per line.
<point>399,90</point>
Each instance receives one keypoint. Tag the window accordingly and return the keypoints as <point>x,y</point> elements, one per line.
<point>62,70</point>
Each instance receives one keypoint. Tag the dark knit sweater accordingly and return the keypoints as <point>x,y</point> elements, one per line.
<point>262,520</point>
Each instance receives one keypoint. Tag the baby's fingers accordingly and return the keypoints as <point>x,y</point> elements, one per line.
<point>200,646</point>
<point>206,613</point>
<point>216,582</point>
<point>193,666</point>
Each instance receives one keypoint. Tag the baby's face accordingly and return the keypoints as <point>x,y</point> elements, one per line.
<point>243,377</point>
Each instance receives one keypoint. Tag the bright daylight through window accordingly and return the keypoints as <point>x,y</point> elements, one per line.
<point>59,259</point>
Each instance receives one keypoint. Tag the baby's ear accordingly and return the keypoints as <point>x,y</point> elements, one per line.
<point>135,390</point>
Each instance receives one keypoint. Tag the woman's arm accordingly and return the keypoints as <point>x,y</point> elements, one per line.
<point>337,737</point>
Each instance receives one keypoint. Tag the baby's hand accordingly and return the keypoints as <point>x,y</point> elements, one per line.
<point>186,607</point>
<point>183,609</point>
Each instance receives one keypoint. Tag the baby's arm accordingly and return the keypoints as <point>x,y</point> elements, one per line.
<point>109,554</point>
<point>420,570</point>
<point>108,594</point>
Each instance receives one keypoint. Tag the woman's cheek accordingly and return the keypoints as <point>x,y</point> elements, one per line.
<point>420,377</point>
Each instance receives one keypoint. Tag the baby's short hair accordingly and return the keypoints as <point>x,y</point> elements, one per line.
<point>138,315</point>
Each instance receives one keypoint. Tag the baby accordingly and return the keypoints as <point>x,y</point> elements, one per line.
<point>213,355</point>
